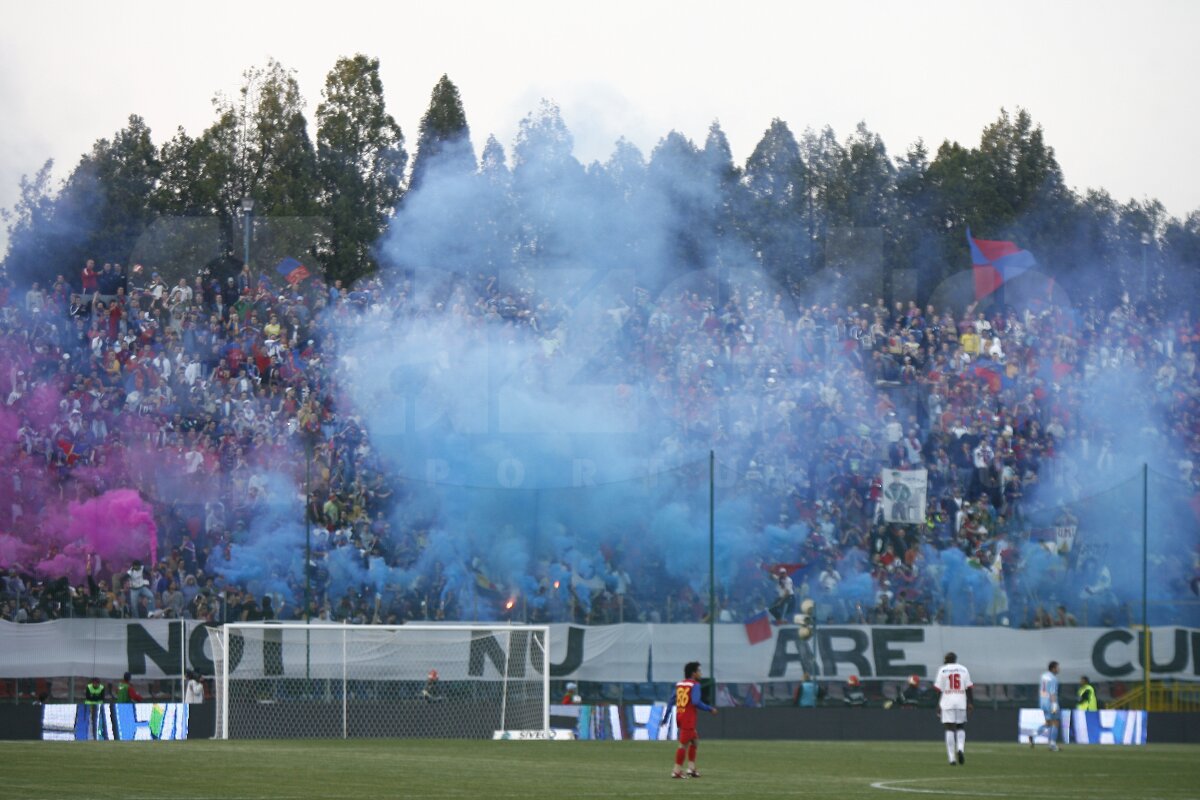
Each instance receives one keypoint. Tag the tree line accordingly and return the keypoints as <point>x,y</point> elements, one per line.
<point>807,207</point>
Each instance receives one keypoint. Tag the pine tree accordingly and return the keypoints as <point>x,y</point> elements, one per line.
<point>361,160</point>
<point>443,138</point>
<point>679,174</point>
<point>775,183</point>
<point>546,178</point>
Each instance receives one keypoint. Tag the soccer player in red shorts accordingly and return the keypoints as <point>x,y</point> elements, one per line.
<point>687,702</point>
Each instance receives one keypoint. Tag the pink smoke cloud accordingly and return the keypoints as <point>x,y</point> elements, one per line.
<point>118,526</point>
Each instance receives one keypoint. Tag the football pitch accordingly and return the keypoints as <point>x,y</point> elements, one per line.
<point>366,769</point>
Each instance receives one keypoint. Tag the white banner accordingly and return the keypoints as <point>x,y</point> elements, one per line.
<point>101,648</point>
<point>903,498</point>
<point>618,653</point>
<point>1064,535</point>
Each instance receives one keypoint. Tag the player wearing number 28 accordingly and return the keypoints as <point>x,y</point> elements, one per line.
<point>687,703</point>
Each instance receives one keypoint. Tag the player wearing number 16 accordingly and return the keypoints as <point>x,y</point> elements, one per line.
<point>687,702</point>
<point>954,683</point>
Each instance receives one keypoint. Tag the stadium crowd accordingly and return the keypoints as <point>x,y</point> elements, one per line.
<point>193,393</point>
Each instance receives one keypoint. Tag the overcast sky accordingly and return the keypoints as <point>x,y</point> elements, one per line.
<point>1112,83</point>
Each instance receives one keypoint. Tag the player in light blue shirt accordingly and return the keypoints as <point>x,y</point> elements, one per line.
<point>1048,700</point>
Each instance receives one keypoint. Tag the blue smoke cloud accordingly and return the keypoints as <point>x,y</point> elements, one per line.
<point>518,392</point>
<point>1096,485</point>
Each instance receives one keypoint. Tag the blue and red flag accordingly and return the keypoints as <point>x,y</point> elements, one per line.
<point>996,263</point>
<point>994,373</point>
<point>791,567</point>
<point>69,451</point>
<point>758,627</point>
<point>292,270</point>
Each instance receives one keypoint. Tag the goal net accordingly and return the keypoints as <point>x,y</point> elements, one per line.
<point>281,681</point>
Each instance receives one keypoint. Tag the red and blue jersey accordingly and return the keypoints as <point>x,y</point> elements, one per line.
<point>687,702</point>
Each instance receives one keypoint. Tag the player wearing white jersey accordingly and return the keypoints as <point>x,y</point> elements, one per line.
<point>1048,702</point>
<point>953,682</point>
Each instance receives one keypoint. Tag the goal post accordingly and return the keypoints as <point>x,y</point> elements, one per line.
<point>292,680</point>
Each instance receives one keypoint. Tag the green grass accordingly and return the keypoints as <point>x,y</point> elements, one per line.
<point>367,769</point>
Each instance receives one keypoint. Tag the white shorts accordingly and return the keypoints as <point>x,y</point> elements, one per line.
<point>954,716</point>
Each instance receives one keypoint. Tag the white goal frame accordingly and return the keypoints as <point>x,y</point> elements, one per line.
<point>538,636</point>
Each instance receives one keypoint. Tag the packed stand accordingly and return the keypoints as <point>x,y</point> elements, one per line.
<point>195,393</point>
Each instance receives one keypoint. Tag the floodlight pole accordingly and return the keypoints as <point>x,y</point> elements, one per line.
<point>247,213</point>
<point>1146,655</point>
<point>712,582</point>
<point>1146,242</point>
<point>309,447</point>
<point>308,457</point>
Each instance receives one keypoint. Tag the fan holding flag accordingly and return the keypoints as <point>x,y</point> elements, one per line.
<point>785,602</point>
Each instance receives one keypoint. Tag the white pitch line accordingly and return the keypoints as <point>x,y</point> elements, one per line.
<point>888,787</point>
